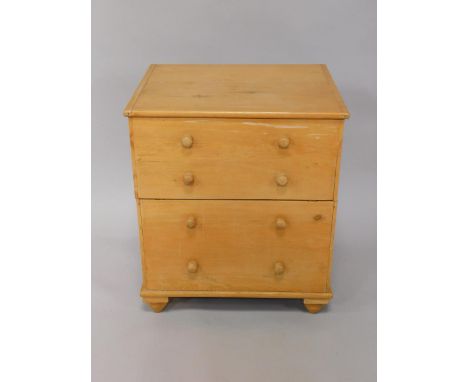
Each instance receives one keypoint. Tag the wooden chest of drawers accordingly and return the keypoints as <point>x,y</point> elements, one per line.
<point>236,178</point>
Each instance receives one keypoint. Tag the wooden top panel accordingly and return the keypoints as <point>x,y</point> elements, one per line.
<point>237,91</point>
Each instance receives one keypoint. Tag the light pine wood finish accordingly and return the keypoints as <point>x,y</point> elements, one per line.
<point>313,305</point>
<point>236,245</point>
<point>236,173</point>
<point>246,91</point>
<point>158,304</point>
<point>235,158</point>
<point>318,298</point>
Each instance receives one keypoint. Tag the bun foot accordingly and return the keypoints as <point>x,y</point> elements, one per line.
<point>312,307</point>
<point>157,304</point>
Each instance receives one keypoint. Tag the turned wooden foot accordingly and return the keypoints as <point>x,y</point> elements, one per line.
<point>312,306</point>
<point>157,304</point>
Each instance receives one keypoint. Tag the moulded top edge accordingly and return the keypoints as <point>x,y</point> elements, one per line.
<point>237,91</point>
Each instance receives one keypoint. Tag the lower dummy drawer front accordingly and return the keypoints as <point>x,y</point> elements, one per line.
<point>216,245</point>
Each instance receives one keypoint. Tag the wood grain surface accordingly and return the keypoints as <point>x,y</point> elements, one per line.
<point>237,91</point>
<point>235,159</point>
<point>236,245</point>
<point>236,171</point>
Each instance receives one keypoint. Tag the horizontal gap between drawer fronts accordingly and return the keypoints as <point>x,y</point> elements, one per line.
<point>244,200</point>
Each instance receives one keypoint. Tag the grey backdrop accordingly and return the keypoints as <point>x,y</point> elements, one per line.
<point>231,340</point>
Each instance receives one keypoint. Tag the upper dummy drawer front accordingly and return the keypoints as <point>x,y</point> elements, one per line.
<point>235,159</point>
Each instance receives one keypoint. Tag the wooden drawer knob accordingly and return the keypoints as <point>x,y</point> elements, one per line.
<point>281,223</point>
<point>317,217</point>
<point>187,141</point>
<point>188,178</point>
<point>279,268</point>
<point>282,180</point>
<point>191,222</point>
<point>283,143</point>
<point>192,266</point>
